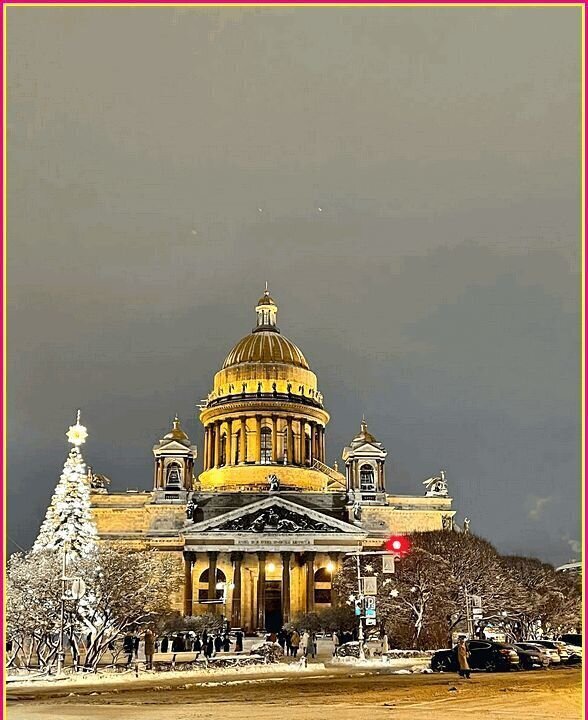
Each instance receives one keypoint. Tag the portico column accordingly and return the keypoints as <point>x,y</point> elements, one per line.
<point>313,452</point>
<point>322,442</point>
<point>188,564</point>
<point>334,558</point>
<point>302,442</point>
<point>309,558</point>
<point>212,556</point>
<point>261,591</point>
<point>229,449</point>
<point>236,603</point>
<point>286,586</point>
<point>217,443</point>
<point>243,440</point>
<point>258,439</point>
<point>274,439</point>
<point>290,442</point>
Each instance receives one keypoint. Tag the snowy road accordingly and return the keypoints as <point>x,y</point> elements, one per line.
<point>550,695</point>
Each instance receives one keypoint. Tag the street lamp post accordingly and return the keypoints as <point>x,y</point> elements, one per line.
<point>61,653</point>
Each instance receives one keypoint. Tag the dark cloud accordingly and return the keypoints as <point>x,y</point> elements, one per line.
<point>437,290</point>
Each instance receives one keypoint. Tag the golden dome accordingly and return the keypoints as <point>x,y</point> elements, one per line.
<point>266,346</point>
<point>176,433</point>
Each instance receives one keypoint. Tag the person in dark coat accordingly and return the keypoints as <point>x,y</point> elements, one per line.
<point>226,643</point>
<point>164,644</point>
<point>209,647</point>
<point>136,641</point>
<point>289,643</point>
<point>238,641</point>
<point>176,643</point>
<point>218,643</point>
<point>149,648</point>
<point>197,644</point>
<point>128,647</point>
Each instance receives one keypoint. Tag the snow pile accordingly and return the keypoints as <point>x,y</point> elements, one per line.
<point>270,651</point>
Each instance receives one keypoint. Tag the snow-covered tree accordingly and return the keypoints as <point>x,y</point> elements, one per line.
<point>68,519</point>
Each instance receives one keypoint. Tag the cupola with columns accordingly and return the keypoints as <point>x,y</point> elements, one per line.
<point>365,459</point>
<point>174,462</point>
<point>265,414</point>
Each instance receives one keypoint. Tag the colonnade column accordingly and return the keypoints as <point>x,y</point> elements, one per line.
<point>286,586</point>
<point>217,443</point>
<point>302,442</point>
<point>212,556</point>
<point>188,599</point>
<point>274,439</point>
<point>323,448</point>
<point>261,590</point>
<point>312,442</point>
<point>229,445</point>
<point>210,454</point>
<point>258,439</point>
<point>243,440</point>
<point>309,558</point>
<point>205,454</point>
<point>237,558</point>
<point>290,441</point>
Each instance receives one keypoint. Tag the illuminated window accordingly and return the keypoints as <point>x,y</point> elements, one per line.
<point>366,478</point>
<point>266,446</point>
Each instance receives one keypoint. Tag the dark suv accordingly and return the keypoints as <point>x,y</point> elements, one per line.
<point>484,655</point>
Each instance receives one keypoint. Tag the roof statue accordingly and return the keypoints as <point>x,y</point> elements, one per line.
<point>436,486</point>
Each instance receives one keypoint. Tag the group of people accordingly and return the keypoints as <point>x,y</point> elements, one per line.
<point>209,644</point>
<point>292,641</point>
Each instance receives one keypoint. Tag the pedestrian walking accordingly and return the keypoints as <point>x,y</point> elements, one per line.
<point>304,643</point>
<point>288,643</point>
<point>294,643</point>
<point>209,647</point>
<point>462,659</point>
<point>149,640</point>
<point>218,644</point>
<point>336,643</point>
<point>238,641</point>
<point>136,641</point>
<point>164,644</point>
<point>128,647</point>
<point>226,643</point>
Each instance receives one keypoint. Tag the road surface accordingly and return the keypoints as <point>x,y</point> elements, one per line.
<point>548,694</point>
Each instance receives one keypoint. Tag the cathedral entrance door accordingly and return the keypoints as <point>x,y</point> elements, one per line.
<point>273,605</point>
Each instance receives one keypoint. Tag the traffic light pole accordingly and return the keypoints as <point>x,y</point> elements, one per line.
<point>360,633</point>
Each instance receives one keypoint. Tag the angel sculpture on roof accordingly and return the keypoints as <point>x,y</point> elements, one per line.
<point>436,486</point>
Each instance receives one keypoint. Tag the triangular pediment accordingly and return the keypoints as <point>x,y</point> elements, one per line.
<point>172,446</point>
<point>274,515</point>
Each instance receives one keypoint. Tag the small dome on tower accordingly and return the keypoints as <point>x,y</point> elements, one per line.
<point>176,433</point>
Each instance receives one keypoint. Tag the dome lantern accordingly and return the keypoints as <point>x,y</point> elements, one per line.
<point>267,312</point>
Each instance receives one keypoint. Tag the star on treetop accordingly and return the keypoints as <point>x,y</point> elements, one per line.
<point>77,433</point>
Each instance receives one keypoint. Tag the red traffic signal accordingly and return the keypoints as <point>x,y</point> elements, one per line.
<point>398,544</point>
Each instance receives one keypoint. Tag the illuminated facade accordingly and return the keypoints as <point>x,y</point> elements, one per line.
<point>264,526</point>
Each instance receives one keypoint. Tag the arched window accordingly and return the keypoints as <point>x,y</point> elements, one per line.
<point>221,578</point>
<point>223,449</point>
<point>366,478</point>
<point>174,475</point>
<point>322,587</point>
<point>266,446</point>
<point>237,447</point>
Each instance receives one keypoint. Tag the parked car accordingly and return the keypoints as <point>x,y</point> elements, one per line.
<point>531,657</point>
<point>552,656</point>
<point>556,645</point>
<point>574,639</point>
<point>484,655</point>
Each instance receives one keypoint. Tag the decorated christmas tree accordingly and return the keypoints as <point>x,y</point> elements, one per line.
<point>68,519</point>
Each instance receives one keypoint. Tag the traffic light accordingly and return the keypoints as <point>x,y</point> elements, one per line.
<point>399,545</point>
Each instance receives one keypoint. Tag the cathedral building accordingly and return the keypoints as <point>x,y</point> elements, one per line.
<point>264,527</point>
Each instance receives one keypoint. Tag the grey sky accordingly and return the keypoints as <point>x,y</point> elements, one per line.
<point>437,291</point>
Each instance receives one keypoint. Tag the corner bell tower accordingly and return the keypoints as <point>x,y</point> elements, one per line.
<point>365,458</point>
<point>174,465</point>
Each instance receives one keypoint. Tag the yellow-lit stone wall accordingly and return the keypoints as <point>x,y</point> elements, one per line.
<point>240,477</point>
